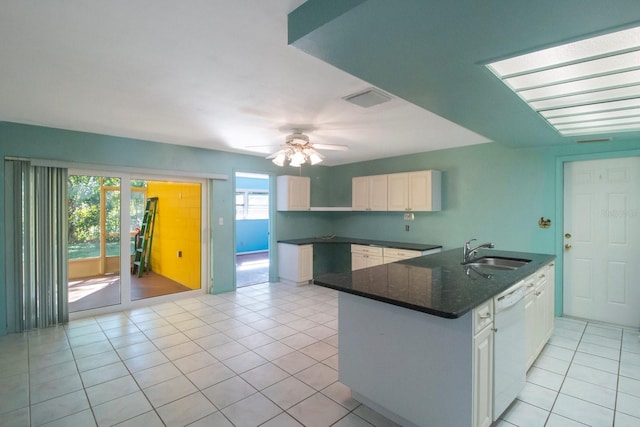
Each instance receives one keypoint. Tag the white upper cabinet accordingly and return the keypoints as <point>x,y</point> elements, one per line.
<point>369,193</point>
<point>414,191</point>
<point>293,193</point>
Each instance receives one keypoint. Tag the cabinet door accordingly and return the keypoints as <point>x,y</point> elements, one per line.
<point>295,263</point>
<point>378,193</point>
<point>360,193</point>
<point>373,260</point>
<point>293,193</point>
<point>540,308</point>
<point>483,378</point>
<point>358,261</point>
<point>424,191</point>
<point>305,263</point>
<point>299,194</point>
<point>550,300</point>
<point>530,328</point>
<point>397,192</point>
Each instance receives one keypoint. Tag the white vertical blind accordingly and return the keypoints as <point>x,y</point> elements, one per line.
<point>37,226</point>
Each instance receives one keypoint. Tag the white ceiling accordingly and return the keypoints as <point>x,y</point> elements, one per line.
<point>215,74</point>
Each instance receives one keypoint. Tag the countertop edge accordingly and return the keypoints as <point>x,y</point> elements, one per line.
<point>359,241</point>
<point>438,313</point>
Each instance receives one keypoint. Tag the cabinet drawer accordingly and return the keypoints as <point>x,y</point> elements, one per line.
<point>400,253</point>
<point>482,316</point>
<point>368,250</point>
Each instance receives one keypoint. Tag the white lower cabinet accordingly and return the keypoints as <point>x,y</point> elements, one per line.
<point>295,263</point>
<point>482,369</point>
<point>539,310</point>
<point>483,377</point>
<point>363,256</point>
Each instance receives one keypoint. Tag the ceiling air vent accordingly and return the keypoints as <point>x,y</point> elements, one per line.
<point>368,98</point>
<point>584,141</point>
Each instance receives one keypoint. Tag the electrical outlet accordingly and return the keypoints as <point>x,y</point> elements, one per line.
<point>406,227</point>
<point>409,216</point>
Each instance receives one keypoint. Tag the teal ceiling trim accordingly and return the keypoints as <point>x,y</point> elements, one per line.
<point>309,16</point>
<point>433,53</point>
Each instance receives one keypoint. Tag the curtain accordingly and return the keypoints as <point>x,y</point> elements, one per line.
<point>36,227</point>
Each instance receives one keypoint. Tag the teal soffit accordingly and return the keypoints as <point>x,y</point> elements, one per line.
<point>434,53</point>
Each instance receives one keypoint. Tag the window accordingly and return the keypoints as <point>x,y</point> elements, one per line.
<point>252,205</point>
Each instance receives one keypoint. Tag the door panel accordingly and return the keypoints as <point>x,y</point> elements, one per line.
<point>602,240</point>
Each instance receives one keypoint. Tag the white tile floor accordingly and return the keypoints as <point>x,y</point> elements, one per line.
<point>588,374</point>
<point>267,355</point>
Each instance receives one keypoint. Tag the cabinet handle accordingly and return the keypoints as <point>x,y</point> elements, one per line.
<point>542,276</point>
<point>538,294</point>
<point>494,329</point>
<point>485,316</point>
<point>530,285</point>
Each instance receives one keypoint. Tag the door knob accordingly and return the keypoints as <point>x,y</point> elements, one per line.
<point>567,235</point>
<point>567,246</point>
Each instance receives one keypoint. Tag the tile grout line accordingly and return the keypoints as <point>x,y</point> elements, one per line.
<point>566,374</point>
<point>128,370</point>
<point>615,402</point>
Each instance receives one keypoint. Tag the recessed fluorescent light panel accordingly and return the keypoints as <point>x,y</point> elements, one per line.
<point>585,87</point>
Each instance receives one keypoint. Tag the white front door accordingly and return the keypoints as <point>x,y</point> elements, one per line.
<point>602,240</point>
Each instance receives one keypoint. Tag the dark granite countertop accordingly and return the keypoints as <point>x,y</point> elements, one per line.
<point>336,239</point>
<point>437,284</point>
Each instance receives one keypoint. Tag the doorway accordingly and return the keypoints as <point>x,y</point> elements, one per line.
<point>252,228</point>
<point>601,278</point>
<point>106,217</point>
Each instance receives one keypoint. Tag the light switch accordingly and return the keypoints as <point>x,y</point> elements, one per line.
<point>220,221</point>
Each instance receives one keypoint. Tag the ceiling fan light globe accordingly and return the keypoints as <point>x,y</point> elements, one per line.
<point>298,158</point>
<point>315,158</point>
<point>280,158</point>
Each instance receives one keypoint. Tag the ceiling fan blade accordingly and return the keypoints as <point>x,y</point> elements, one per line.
<point>264,146</point>
<point>330,147</point>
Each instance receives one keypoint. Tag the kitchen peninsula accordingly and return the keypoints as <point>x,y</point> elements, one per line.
<point>416,336</point>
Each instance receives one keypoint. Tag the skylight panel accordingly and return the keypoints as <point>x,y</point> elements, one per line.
<point>604,45</point>
<point>587,86</point>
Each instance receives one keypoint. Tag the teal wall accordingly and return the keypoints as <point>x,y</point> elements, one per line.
<point>490,192</point>
<point>252,235</point>
<point>69,146</point>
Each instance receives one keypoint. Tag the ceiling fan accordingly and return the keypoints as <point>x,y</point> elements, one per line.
<point>297,150</point>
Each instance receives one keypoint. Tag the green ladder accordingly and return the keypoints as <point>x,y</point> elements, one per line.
<point>142,260</point>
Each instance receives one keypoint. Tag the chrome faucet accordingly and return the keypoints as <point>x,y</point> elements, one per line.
<point>469,253</point>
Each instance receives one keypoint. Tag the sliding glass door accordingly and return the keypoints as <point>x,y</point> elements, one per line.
<point>121,250</point>
<point>94,242</point>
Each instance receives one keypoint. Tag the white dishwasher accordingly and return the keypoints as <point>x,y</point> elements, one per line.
<point>510,357</point>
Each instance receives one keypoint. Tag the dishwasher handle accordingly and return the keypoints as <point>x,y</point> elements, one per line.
<point>508,299</point>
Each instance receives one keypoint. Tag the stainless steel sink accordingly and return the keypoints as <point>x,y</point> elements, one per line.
<point>497,263</point>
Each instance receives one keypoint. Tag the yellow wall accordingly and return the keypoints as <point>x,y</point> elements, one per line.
<point>177,228</point>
